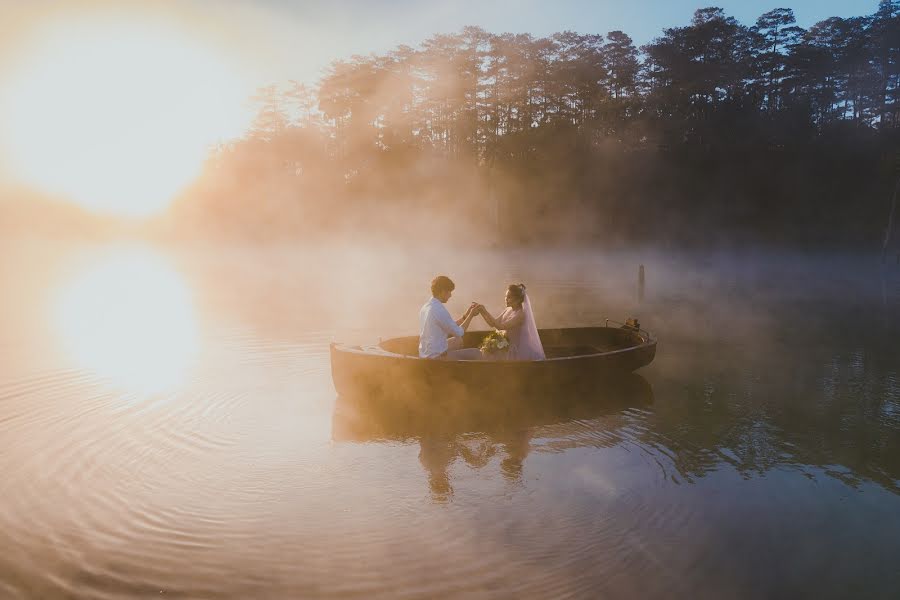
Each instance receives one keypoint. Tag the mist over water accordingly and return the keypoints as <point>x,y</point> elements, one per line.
<point>169,427</point>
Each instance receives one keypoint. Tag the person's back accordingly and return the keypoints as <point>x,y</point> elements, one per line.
<point>435,324</point>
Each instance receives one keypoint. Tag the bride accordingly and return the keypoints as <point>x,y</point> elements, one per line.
<point>518,321</point>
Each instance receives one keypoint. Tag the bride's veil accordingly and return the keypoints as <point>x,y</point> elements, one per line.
<point>530,347</point>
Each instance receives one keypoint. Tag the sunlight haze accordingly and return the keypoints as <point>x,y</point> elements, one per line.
<point>117,112</point>
<point>115,105</point>
<point>342,299</point>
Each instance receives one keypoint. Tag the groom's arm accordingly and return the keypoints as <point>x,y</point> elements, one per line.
<point>450,327</point>
<point>467,316</point>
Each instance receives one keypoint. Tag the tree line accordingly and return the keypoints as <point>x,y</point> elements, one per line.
<point>768,131</point>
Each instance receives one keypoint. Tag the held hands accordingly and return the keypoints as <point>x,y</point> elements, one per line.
<point>474,310</point>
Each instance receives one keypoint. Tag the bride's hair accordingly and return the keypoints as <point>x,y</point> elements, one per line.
<point>517,290</point>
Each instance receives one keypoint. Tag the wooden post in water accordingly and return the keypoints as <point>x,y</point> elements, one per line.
<point>641,283</point>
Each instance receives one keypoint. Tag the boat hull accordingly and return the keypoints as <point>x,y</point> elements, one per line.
<point>575,357</point>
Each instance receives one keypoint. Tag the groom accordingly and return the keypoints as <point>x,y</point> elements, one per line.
<point>436,324</point>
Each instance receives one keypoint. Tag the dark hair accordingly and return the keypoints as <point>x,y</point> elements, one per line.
<point>442,283</point>
<point>517,290</point>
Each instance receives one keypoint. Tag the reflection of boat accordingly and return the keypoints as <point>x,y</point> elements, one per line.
<point>479,428</point>
<point>574,356</point>
<point>369,418</point>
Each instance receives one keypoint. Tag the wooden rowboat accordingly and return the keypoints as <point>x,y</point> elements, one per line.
<point>575,356</point>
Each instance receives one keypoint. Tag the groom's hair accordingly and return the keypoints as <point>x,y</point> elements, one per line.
<point>442,283</point>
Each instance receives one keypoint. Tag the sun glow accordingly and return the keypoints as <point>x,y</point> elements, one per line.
<point>130,320</point>
<point>117,114</point>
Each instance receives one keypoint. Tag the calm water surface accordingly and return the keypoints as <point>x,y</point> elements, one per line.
<point>168,428</point>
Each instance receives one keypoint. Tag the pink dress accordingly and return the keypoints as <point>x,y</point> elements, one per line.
<point>512,320</point>
<point>522,333</point>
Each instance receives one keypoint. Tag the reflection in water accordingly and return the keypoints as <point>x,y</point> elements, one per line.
<point>129,319</point>
<point>477,429</point>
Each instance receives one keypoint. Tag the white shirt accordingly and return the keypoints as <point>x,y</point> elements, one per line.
<point>435,324</point>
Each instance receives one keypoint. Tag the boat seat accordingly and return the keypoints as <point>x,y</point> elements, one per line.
<point>564,351</point>
<point>376,349</point>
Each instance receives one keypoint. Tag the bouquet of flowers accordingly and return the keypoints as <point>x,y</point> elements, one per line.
<point>495,341</point>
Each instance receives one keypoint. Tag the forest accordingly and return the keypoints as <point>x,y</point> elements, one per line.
<point>715,132</point>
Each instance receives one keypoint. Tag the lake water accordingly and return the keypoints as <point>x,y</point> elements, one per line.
<point>168,428</point>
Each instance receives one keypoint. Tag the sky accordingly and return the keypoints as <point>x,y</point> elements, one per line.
<point>302,38</point>
<point>277,40</point>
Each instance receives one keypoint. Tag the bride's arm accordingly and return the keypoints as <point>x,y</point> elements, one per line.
<point>507,320</point>
<point>491,321</point>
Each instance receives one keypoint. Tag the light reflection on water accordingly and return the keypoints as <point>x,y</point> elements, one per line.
<point>758,456</point>
<point>129,318</point>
